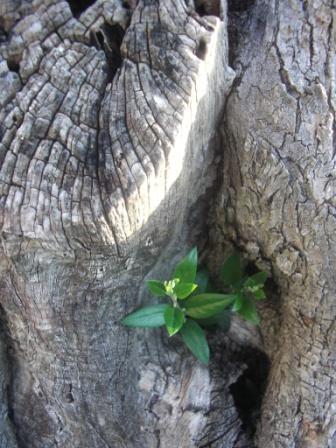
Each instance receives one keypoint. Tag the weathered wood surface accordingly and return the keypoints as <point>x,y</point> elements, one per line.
<point>107,160</point>
<point>278,199</point>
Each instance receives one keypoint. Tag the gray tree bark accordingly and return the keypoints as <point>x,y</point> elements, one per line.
<point>278,198</point>
<point>113,149</point>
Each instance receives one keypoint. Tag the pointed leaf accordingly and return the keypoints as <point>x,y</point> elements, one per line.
<point>183,290</point>
<point>238,303</point>
<point>249,312</point>
<point>255,280</point>
<point>207,304</point>
<point>186,268</point>
<point>231,271</point>
<point>174,319</point>
<point>259,294</point>
<point>194,338</point>
<point>156,288</point>
<point>148,317</point>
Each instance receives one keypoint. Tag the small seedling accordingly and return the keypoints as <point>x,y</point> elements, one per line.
<point>191,308</point>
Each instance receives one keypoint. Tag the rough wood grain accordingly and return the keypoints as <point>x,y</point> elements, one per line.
<point>108,130</point>
<point>278,199</point>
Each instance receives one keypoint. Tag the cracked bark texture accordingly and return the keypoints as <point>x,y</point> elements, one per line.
<point>108,159</point>
<point>277,204</point>
<point>108,136</point>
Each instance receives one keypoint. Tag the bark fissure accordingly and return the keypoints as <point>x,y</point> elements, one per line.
<point>208,7</point>
<point>249,389</point>
<point>79,6</point>
<point>9,432</point>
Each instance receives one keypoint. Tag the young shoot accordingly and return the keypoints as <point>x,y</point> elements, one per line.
<point>189,307</point>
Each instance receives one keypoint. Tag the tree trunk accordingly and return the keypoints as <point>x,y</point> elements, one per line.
<point>278,198</point>
<point>109,162</point>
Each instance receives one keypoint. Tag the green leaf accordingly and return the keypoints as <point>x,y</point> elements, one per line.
<point>148,317</point>
<point>207,304</point>
<point>202,280</point>
<point>194,338</point>
<point>174,319</point>
<point>231,271</point>
<point>259,294</point>
<point>186,268</point>
<point>157,288</point>
<point>238,303</point>
<point>222,320</point>
<point>248,311</point>
<point>255,280</point>
<point>183,290</point>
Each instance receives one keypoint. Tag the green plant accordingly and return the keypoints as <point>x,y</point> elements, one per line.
<point>191,307</point>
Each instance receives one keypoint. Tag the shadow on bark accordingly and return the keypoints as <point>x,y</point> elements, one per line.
<point>79,6</point>
<point>249,389</point>
<point>109,39</point>
<point>208,7</point>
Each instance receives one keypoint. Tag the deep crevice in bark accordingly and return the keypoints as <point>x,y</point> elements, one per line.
<point>240,5</point>
<point>130,4</point>
<point>7,349</point>
<point>3,35</point>
<point>79,6</point>
<point>239,15</point>
<point>13,66</point>
<point>249,389</point>
<point>109,39</point>
<point>208,7</point>
<point>10,410</point>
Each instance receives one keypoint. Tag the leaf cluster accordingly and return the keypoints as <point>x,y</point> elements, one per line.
<point>190,308</point>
